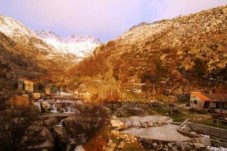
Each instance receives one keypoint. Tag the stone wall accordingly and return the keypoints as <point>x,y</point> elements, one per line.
<point>208,130</point>
<point>218,143</point>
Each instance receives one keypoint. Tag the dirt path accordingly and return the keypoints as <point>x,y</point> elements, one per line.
<point>166,132</point>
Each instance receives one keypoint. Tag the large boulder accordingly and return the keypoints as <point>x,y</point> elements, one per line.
<point>199,146</point>
<point>76,111</point>
<point>79,105</point>
<point>205,140</point>
<point>61,137</point>
<point>60,109</point>
<point>77,125</point>
<point>80,128</point>
<point>88,108</point>
<point>38,138</point>
<point>79,148</point>
<point>104,111</point>
<point>50,122</point>
<point>98,110</point>
<point>45,106</point>
<point>36,106</point>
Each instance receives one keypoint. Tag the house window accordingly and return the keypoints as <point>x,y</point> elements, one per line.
<point>195,101</point>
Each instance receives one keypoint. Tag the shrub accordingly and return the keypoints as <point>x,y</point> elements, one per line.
<point>200,67</point>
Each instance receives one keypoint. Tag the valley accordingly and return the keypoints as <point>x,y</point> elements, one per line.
<point>158,86</point>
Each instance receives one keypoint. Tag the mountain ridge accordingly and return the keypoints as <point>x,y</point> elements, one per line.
<point>81,46</point>
<point>186,53</point>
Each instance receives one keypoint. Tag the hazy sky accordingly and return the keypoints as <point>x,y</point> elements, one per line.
<point>106,19</point>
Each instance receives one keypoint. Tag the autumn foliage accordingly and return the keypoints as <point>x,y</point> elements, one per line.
<point>92,66</point>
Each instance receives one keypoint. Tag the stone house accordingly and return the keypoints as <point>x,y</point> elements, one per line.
<point>25,84</point>
<point>47,90</point>
<point>208,101</point>
<point>36,90</point>
<point>41,88</point>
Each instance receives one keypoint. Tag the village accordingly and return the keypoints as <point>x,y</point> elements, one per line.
<point>199,101</point>
<point>85,76</point>
<point>199,122</point>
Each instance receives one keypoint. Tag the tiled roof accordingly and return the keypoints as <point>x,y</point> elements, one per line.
<point>201,96</point>
<point>217,97</point>
<point>211,97</point>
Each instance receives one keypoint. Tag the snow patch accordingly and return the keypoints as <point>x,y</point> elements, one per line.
<point>81,46</point>
<point>11,27</point>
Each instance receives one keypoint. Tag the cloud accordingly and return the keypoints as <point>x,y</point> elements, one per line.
<point>105,19</point>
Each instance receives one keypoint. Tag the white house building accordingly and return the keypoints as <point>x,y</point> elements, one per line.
<point>200,100</point>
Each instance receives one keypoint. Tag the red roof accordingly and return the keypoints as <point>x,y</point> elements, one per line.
<point>201,96</point>
<point>217,97</point>
<point>210,97</point>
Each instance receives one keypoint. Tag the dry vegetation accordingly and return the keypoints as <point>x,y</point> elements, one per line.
<point>179,55</point>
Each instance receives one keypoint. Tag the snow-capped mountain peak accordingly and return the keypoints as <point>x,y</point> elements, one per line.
<point>81,46</point>
<point>83,38</point>
<point>12,27</point>
<point>47,34</point>
<point>48,41</point>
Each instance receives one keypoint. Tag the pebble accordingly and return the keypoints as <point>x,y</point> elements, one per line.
<point>128,123</point>
<point>170,145</point>
<point>174,148</point>
<point>136,124</point>
<point>199,145</point>
<point>216,148</point>
<point>155,144</point>
<point>193,133</point>
<point>121,145</point>
<point>112,145</point>
<point>150,124</point>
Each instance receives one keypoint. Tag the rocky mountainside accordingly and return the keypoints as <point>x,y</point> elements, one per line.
<point>24,55</point>
<point>80,46</point>
<point>183,54</point>
<point>15,64</point>
<point>17,57</point>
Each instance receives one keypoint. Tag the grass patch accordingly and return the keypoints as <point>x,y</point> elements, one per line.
<point>177,115</point>
<point>132,147</point>
<point>115,140</point>
<point>161,110</point>
<point>213,123</point>
<point>183,114</point>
